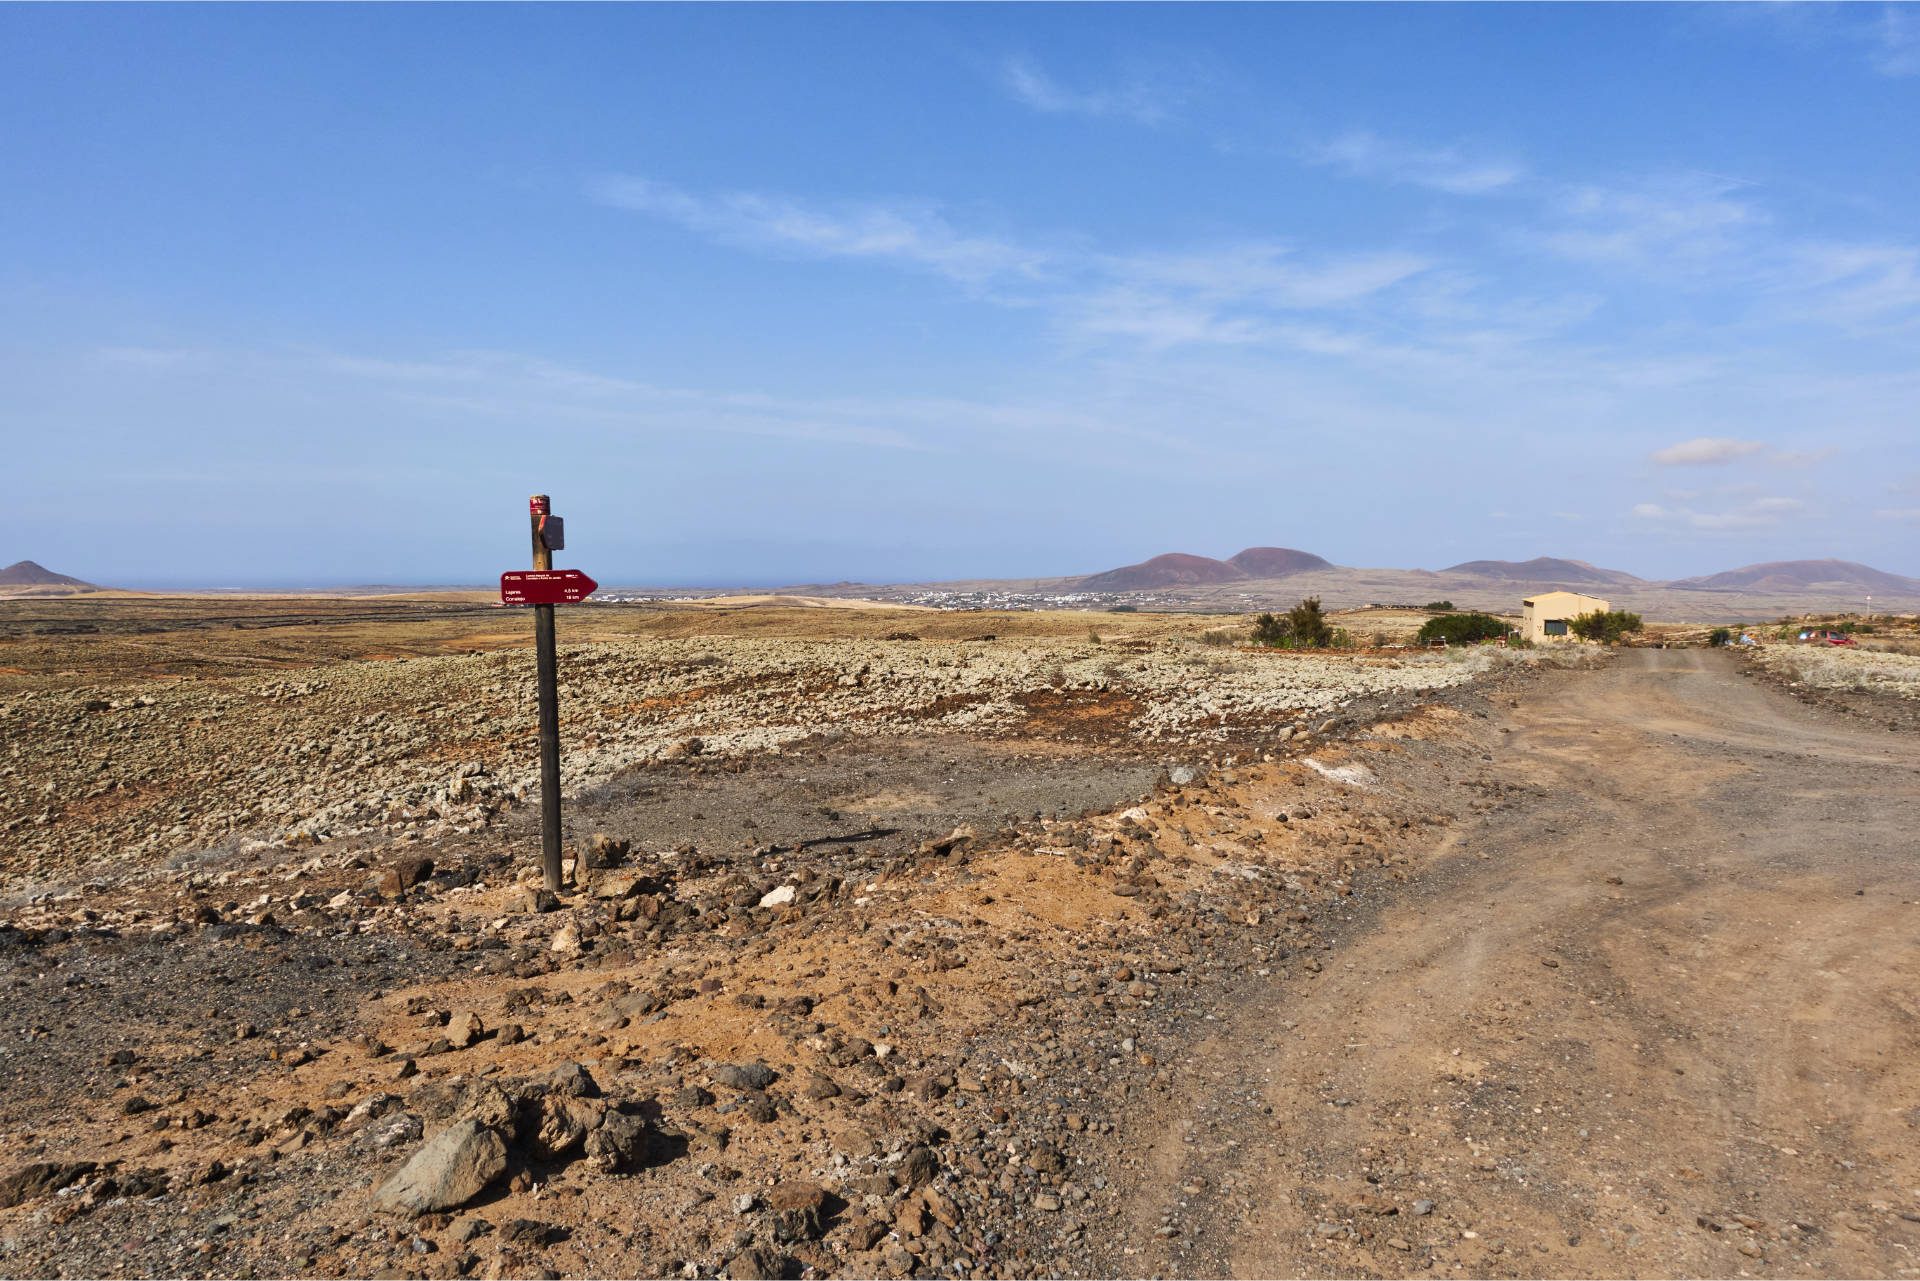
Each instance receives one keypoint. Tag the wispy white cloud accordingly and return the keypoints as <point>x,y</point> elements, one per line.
<point>1220,294</point>
<point>1760,513</point>
<point>1148,100</point>
<point>1900,515</point>
<point>1159,320</point>
<point>1896,42</point>
<point>1695,230</point>
<point>1887,35</point>
<point>1367,155</point>
<point>148,357</point>
<point>1259,330</point>
<point>1708,231</point>
<point>1848,283</point>
<point>911,233</point>
<point>1275,275</point>
<point>505,385</point>
<point>1801,459</point>
<point>1233,295</point>
<point>1705,451</point>
<point>1684,223</point>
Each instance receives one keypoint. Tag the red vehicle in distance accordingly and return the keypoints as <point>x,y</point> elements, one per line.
<point>1828,638</point>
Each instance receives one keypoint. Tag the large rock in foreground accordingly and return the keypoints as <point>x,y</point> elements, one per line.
<point>448,1171</point>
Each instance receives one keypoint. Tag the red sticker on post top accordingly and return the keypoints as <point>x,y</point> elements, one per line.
<point>545,587</point>
<point>539,505</point>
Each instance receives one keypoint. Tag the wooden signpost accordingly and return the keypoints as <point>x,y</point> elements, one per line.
<point>543,588</point>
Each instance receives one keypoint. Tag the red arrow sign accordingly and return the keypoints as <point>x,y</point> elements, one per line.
<point>545,587</point>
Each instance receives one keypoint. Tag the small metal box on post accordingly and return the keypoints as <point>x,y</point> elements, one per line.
<point>543,588</point>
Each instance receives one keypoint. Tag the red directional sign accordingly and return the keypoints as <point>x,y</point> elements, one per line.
<point>545,587</point>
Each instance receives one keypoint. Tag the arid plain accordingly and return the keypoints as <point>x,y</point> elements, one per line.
<point>906,942</point>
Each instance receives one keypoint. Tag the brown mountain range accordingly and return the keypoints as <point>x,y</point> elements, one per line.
<point>1799,575</point>
<point>26,573</point>
<point>1277,562</point>
<point>1174,569</point>
<point>1178,569</point>
<point>1247,582</point>
<point>1544,569</point>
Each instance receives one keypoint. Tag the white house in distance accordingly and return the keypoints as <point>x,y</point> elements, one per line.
<point>1545,617</point>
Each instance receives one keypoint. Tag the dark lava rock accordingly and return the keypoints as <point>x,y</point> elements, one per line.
<point>759,1263</point>
<point>40,1179</point>
<point>799,1211</point>
<point>745,1076</point>
<point>527,1233</point>
<point>918,1167</point>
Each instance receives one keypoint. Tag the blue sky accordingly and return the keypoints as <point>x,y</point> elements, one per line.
<point>296,295</point>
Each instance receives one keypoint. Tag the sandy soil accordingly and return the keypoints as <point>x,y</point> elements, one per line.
<point>1657,1020</point>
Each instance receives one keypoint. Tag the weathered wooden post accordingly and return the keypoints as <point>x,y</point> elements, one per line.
<point>544,588</point>
<point>547,660</point>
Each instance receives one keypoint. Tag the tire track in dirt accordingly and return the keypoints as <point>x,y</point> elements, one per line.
<point>1657,1020</point>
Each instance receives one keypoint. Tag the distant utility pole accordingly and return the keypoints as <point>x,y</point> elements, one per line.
<point>543,589</point>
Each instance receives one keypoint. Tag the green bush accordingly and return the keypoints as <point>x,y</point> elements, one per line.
<point>1438,605</point>
<point>1461,629</point>
<point>1720,636</point>
<point>1309,625</point>
<point>1271,630</point>
<point>1609,627</point>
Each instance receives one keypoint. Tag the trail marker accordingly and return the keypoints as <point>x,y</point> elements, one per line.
<point>543,587</point>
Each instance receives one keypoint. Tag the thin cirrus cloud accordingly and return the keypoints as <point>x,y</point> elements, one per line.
<point>506,386</point>
<point>1761,513</point>
<point>1144,100</point>
<point>1705,230</point>
<point>1690,228</point>
<point>909,233</point>
<point>1273,274</point>
<point>1706,451</point>
<point>1366,155</point>
<point>1896,44</point>
<point>1225,294</point>
<point>1687,222</point>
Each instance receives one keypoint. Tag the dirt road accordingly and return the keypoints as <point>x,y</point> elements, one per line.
<point>1659,1019</point>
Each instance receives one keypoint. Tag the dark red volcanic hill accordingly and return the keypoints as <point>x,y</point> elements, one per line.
<point>1175,569</point>
<point>1542,569</point>
<point>1796,575</point>
<point>1277,562</point>
<point>25,573</point>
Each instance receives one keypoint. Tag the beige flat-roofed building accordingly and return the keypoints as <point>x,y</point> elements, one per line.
<point>1545,617</point>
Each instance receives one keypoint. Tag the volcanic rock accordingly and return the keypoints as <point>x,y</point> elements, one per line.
<point>449,1170</point>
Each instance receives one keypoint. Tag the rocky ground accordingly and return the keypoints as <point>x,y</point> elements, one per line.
<point>874,954</point>
<point>1037,957</point>
<point>1880,687</point>
<point>98,779</point>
